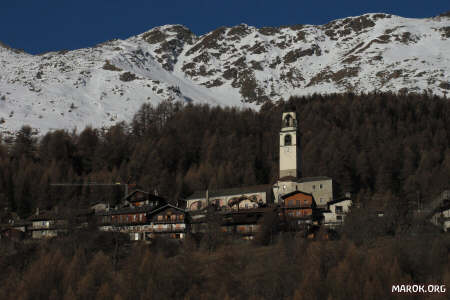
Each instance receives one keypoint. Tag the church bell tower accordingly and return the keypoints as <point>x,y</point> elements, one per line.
<point>290,156</point>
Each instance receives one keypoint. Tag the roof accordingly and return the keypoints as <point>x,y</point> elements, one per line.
<point>244,216</point>
<point>231,191</point>
<point>150,196</point>
<point>288,178</point>
<point>20,223</point>
<point>309,179</point>
<point>442,208</point>
<point>128,210</point>
<point>338,200</point>
<point>167,206</point>
<point>53,215</point>
<point>296,192</point>
<point>304,179</point>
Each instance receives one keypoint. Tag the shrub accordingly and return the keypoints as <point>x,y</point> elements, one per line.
<point>110,67</point>
<point>127,76</point>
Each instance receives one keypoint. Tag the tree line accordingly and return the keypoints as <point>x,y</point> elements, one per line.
<point>384,148</point>
<point>87,267</point>
<point>391,151</point>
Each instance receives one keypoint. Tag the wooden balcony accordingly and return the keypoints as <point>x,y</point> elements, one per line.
<point>170,221</point>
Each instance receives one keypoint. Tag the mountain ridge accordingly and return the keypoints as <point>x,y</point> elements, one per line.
<point>230,66</point>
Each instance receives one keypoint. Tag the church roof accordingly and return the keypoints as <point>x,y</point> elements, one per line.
<point>304,179</point>
<point>231,191</point>
<point>309,179</point>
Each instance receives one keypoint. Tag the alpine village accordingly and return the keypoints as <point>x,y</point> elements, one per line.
<point>300,204</point>
<point>299,162</point>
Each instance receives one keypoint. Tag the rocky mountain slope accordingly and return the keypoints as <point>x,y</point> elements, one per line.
<point>239,66</point>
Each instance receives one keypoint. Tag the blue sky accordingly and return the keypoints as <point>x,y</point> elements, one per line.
<point>40,26</point>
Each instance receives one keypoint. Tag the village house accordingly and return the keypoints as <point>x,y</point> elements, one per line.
<point>168,221</point>
<point>131,216</point>
<point>21,225</point>
<point>48,224</point>
<point>299,212</point>
<point>440,215</point>
<point>244,223</point>
<point>337,210</point>
<point>11,233</point>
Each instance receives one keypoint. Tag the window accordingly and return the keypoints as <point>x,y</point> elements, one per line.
<point>314,187</point>
<point>339,218</point>
<point>298,202</point>
<point>339,209</point>
<point>160,218</point>
<point>321,186</point>
<point>288,121</point>
<point>287,140</point>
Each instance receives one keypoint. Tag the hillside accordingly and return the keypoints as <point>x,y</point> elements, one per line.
<point>230,66</point>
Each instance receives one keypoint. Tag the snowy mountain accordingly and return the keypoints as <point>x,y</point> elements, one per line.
<point>238,66</point>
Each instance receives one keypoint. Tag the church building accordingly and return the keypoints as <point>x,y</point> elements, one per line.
<point>290,177</point>
<point>290,180</point>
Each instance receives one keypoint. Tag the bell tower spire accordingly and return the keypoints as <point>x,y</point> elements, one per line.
<point>290,156</point>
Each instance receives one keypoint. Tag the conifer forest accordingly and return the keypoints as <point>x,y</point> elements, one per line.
<point>390,151</point>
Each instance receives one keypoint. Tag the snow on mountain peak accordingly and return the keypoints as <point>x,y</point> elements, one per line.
<point>240,65</point>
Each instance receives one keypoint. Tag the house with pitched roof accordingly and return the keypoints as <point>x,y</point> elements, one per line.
<point>337,210</point>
